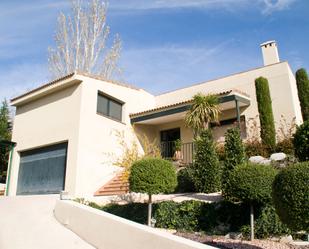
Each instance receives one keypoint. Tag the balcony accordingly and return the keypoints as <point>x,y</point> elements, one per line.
<point>184,154</point>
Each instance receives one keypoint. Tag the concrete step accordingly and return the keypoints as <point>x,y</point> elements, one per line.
<point>116,186</point>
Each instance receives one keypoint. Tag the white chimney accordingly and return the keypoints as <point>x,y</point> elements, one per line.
<point>270,52</point>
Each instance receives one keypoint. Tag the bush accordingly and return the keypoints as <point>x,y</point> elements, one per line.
<point>152,176</point>
<point>268,224</point>
<point>136,212</point>
<point>206,168</point>
<point>213,218</point>
<point>185,181</point>
<point>180,216</point>
<point>302,82</point>
<point>234,153</point>
<point>268,132</point>
<point>251,183</point>
<point>291,196</point>
<point>301,142</point>
<point>285,146</point>
<point>256,148</point>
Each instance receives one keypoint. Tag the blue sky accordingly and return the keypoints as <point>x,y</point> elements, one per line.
<point>167,44</point>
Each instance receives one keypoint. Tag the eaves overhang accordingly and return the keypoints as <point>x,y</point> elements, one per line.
<point>185,106</point>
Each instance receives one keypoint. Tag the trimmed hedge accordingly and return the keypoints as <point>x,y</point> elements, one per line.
<point>302,82</point>
<point>291,196</point>
<point>251,183</point>
<point>152,176</point>
<point>213,218</point>
<point>185,181</point>
<point>301,142</point>
<point>234,153</point>
<point>206,169</point>
<point>268,131</point>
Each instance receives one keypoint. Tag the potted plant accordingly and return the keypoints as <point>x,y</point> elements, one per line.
<point>177,155</point>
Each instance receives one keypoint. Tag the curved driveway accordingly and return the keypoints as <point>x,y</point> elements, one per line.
<point>27,222</point>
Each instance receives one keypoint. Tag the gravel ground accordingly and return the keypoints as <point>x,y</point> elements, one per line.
<point>223,243</point>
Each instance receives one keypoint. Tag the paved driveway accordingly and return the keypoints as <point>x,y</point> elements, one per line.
<point>27,222</point>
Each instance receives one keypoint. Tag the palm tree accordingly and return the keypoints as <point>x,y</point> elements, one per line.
<point>204,109</point>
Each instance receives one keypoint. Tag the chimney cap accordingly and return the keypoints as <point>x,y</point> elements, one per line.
<point>267,42</point>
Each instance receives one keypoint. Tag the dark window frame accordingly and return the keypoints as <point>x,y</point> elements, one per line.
<point>110,99</point>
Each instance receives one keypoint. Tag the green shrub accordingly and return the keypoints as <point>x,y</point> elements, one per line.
<point>136,212</point>
<point>301,142</point>
<point>268,224</point>
<point>234,153</point>
<point>213,218</point>
<point>185,181</point>
<point>291,196</point>
<point>206,168</point>
<point>268,132</point>
<point>251,183</point>
<point>180,216</point>
<point>152,176</point>
<point>302,82</point>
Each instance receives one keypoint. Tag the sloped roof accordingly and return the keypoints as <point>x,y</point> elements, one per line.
<point>69,76</point>
<point>176,104</point>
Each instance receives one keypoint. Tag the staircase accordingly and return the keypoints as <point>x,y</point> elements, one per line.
<point>116,186</point>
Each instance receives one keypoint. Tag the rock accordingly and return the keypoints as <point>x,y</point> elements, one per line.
<point>265,162</point>
<point>278,156</point>
<point>286,239</point>
<point>236,236</point>
<point>256,159</point>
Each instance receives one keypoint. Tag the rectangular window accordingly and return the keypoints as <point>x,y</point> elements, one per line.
<point>109,107</point>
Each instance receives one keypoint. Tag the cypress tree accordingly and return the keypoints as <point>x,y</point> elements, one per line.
<point>206,168</point>
<point>302,82</point>
<point>234,153</point>
<point>268,132</point>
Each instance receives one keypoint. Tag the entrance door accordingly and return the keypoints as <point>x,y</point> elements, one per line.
<point>168,138</point>
<point>42,171</point>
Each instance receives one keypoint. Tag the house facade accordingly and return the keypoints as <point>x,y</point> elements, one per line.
<point>67,131</point>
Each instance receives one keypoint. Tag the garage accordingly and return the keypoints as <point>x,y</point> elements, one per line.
<point>42,171</point>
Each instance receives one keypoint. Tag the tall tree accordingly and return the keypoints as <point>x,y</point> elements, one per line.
<point>204,109</point>
<point>302,82</point>
<point>81,42</point>
<point>268,131</point>
<point>5,131</point>
<point>5,134</point>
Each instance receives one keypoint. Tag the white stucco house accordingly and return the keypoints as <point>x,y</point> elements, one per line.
<point>65,130</point>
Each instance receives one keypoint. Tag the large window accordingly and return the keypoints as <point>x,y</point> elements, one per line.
<point>109,107</point>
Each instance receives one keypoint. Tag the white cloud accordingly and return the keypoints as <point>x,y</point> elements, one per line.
<point>276,5</point>
<point>265,6</point>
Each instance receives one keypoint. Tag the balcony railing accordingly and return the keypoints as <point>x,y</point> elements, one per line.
<point>184,155</point>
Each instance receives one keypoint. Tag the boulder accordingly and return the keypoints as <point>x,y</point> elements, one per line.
<point>256,159</point>
<point>278,156</point>
<point>286,239</point>
<point>265,162</point>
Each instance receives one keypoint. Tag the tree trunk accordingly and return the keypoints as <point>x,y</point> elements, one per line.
<point>149,210</point>
<point>252,222</point>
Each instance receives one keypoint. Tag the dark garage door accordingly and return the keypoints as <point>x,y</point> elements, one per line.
<point>42,171</point>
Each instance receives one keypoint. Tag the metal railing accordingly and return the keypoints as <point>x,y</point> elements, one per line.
<point>185,154</point>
